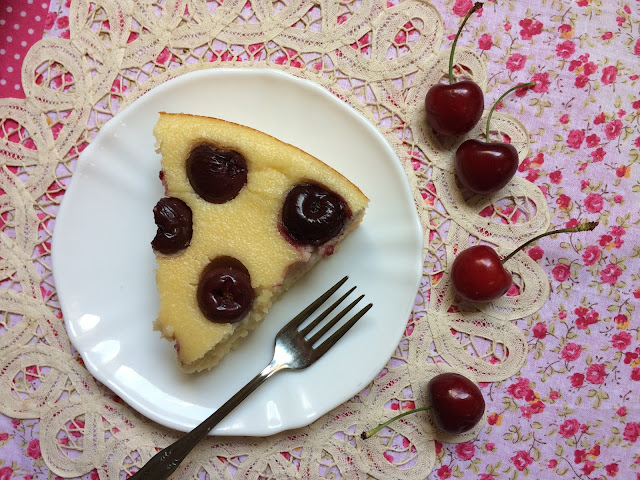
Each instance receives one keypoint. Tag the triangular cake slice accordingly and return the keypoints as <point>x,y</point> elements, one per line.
<point>243,217</point>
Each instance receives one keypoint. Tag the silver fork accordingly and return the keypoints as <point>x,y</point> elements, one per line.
<point>293,351</point>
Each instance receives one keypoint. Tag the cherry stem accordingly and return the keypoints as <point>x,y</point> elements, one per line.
<point>476,6</point>
<point>583,227</point>
<point>522,85</point>
<point>373,431</point>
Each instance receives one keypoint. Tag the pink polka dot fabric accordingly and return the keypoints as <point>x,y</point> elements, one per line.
<point>21,25</point>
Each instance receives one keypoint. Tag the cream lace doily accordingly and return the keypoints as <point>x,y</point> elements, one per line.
<point>380,60</point>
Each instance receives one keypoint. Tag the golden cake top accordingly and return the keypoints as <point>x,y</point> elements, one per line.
<point>247,227</point>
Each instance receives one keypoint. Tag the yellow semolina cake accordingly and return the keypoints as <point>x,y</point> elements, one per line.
<point>244,215</point>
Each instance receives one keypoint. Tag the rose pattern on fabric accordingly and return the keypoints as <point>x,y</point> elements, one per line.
<point>565,415</point>
<point>584,360</point>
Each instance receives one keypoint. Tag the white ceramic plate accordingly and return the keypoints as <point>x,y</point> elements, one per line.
<point>104,266</point>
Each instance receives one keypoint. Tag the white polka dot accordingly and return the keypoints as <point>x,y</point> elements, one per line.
<point>29,2</point>
<point>16,87</point>
<point>9,9</point>
<point>30,31</point>
<point>17,56</point>
<point>37,18</point>
<point>16,26</point>
<point>2,51</point>
<point>2,21</point>
<point>23,14</point>
<point>23,43</point>
<point>3,82</point>
<point>9,39</point>
<point>44,5</point>
<point>9,69</point>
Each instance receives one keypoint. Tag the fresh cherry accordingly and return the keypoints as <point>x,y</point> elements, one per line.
<point>215,174</point>
<point>486,167</point>
<point>312,214</point>
<point>478,274</point>
<point>455,108</point>
<point>174,221</point>
<point>224,292</point>
<point>455,402</point>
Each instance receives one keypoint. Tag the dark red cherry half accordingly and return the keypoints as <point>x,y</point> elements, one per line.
<point>312,214</point>
<point>175,226</point>
<point>224,293</point>
<point>215,174</point>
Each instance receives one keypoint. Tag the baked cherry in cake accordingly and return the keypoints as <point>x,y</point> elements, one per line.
<point>224,291</point>
<point>313,215</point>
<point>174,221</point>
<point>215,174</point>
<point>262,213</point>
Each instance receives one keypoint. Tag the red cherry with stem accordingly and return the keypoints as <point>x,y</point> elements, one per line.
<point>486,167</point>
<point>456,405</point>
<point>478,274</point>
<point>455,108</point>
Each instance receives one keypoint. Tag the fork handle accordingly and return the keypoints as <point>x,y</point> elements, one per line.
<point>167,460</point>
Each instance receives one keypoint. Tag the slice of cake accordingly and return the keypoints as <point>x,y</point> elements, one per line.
<point>243,217</point>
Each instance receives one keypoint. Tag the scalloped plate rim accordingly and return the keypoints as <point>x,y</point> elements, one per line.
<point>292,399</point>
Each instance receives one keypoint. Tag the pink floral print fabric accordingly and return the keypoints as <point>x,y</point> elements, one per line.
<point>574,410</point>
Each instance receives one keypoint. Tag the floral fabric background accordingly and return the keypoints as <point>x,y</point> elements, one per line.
<point>574,410</point>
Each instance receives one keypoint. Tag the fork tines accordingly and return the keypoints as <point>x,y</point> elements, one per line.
<point>325,328</point>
